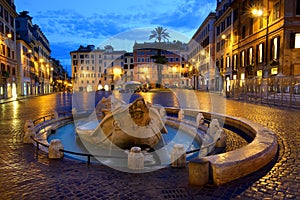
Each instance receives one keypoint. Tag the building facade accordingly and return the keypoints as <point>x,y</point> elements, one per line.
<point>33,57</point>
<point>265,45</point>
<point>128,67</point>
<point>59,77</point>
<point>224,36</point>
<point>8,59</point>
<point>202,56</point>
<point>148,71</point>
<point>96,69</point>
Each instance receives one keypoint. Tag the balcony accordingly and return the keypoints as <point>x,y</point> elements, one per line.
<point>4,74</point>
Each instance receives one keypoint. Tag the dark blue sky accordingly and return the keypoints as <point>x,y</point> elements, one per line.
<point>70,23</point>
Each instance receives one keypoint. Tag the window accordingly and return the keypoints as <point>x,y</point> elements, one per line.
<point>228,21</point>
<point>235,37</point>
<point>298,7</point>
<point>276,11</point>
<point>235,14</point>
<point>12,21</point>
<point>250,26</point>
<point>218,30</point>
<point>6,15</point>
<point>250,54</point>
<point>243,32</point>
<point>1,27</point>
<point>275,48</point>
<point>261,22</point>
<point>235,62</point>
<point>243,59</point>
<point>227,61</point>
<point>1,11</point>
<point>260,53</point>
<point>222,26</point>
<point>297,40</point>
<point>74,56</point>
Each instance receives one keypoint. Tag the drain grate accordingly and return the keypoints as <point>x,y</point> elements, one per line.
<point>178,193</point>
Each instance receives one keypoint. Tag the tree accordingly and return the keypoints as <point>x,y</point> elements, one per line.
<point>159,34</point>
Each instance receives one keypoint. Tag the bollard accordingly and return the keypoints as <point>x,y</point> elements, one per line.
<point>28,132</point>
<point>55,146</point>
<point>28,126</point>
<point>178,156</point>
<point>135,158</point>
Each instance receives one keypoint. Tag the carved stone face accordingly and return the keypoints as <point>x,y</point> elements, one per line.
<point>139,112</point>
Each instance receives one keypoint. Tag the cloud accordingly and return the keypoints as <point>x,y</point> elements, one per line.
<point>68,24</point>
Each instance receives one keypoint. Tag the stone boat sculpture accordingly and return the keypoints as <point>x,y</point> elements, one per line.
<point>135,124</point>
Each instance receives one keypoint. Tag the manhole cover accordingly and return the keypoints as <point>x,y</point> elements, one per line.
<point>178,193</point>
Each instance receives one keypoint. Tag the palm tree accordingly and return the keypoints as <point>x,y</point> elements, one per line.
<point>159,34</point>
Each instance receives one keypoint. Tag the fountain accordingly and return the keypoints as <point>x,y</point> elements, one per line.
<point>135,124</point>
<point>150,150</point>
<point>122,127</point>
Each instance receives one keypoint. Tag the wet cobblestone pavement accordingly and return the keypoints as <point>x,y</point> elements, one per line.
<point>26,174</point>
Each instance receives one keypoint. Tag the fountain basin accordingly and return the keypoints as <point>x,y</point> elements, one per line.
<point>226,167</point>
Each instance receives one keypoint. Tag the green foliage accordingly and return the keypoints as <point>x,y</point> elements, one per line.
<point>159,34</point>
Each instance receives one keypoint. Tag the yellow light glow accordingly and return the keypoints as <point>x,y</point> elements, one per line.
<point>145,70</point>
<point>257,12</point>
<point>29,51</point>
<point>117,71</point>
<point>9,35</point>
<point>174,69</point>
<point>259,73</point>
<point>243,76</point>
<point>274,71</point>
<point>100,87</point>
<point>41,60</point>
<point>223,36</point>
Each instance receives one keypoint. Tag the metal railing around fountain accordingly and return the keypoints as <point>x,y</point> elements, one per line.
<point>50,117</point>
<point>89,156</point>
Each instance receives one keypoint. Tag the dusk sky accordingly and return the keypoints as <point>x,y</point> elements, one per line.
<point>68,24</point>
